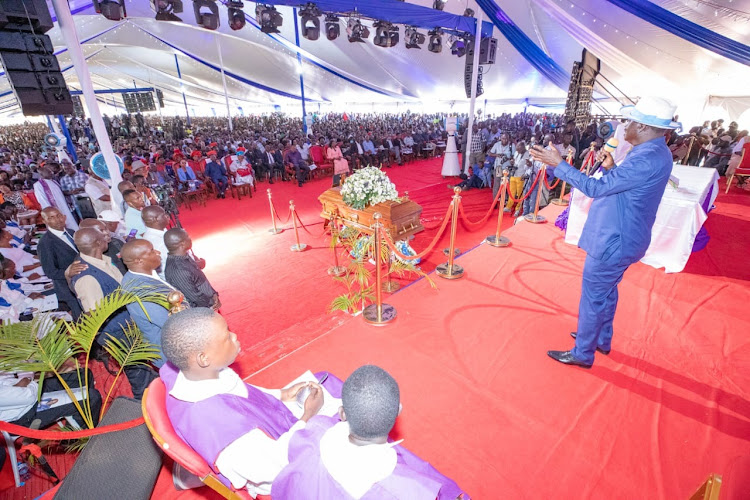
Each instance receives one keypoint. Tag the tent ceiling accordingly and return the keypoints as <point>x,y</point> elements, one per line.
<point>639,58</point>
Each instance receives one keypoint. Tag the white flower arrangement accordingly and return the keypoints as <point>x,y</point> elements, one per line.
<point>368,186</point>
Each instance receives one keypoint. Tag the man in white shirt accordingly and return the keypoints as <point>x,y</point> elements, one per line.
<point>99,192</point>
<point>133,218</point>
<point>156,221</point>
<point>242,431</point>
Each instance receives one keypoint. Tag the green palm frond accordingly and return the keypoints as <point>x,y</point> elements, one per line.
<point>343,303</point>
<point>39,345</point>
<point>133,349</point>
<point>402,269</point>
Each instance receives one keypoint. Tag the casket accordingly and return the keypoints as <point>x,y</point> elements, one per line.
<point>399,218</point>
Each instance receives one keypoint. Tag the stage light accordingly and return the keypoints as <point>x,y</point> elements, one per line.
<point>413,38</point>
<point>114,10</point>
<point>356,31</point>
<point>436,41</point>
<point>166,9</point>
<point>235,14</point>
<point>469,13</point>
<point>268,18</point>
<point>458,47</point>
<point>333,30</point>
<point>438,4</point>
<point>206,14</point>
<point>386,34</point>
<point>310,15</point>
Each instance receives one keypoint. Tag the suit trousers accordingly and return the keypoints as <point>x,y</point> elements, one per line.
<point>596,310</point>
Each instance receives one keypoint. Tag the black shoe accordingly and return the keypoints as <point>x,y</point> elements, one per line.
<point>566,357</point>
<point>299,184</point>
<point>575,334</point>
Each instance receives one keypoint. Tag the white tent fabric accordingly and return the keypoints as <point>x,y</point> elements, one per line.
<point>263,72</point>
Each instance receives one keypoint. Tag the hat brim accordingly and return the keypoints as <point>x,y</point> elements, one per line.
<point>632,114</point>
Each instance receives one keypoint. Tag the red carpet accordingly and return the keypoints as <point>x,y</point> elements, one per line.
<point>481,399</point>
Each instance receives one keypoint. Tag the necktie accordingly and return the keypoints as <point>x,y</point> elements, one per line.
<point>70,239</point>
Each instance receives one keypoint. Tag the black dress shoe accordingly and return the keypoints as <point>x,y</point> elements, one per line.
<point>566,357</point>
<point>575,334</point>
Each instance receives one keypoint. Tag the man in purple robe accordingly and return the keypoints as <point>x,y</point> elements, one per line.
<point>242,431</point>
<point>353,459</point>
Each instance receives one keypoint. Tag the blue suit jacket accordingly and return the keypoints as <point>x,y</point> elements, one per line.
<point>215,170</point>
<point>149,324</point>
<point>626,199</point>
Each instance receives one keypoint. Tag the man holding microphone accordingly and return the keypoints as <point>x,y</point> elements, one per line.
<point>618,229</point>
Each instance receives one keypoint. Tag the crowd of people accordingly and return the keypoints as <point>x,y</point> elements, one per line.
<point>79,250</point>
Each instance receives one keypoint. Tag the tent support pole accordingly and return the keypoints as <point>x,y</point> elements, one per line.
<point>69,144</point>
<point>223,81</point>
<point>474,77</point>
<point>68,31</point>
<point>301,75</point>
<point>184,99</point>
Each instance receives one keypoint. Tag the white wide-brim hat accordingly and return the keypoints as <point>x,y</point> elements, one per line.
<point>109,216</point>
<point>653,111</point>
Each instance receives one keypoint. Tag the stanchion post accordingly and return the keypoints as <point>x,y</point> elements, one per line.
<point>690,148</point>
<point>297,247</point>
<point>274,229</point>
<point>378,313</point>
<point>535,217</point>
<point>336,269</point>
<point>561,200</point>
<point>496,240</point>
<point>449,270</point>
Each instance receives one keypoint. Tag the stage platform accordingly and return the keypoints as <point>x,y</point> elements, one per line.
<point>482,401</point>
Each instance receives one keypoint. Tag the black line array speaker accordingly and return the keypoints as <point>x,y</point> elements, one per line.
<point>469,66</point>
<point>28,58</point>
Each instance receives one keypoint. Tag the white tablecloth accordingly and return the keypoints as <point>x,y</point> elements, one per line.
<point>678,220</point>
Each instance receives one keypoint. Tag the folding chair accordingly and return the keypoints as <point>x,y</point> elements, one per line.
<point>742,170</point>
<point>154,406</point>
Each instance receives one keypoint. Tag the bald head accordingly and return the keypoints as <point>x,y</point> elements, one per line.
<point>90,241</point>
<point>176,240</point>
<point>90,223</point>
<point>125,186</point>
<point>155,217</point>
<point>53,218</point>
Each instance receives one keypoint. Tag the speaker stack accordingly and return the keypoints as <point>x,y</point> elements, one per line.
<point>28,58</point>
<point>487,53</point>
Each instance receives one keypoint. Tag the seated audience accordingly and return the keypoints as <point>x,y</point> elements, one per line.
<point>218,174</point>
<point>185,274</point>
<point>133,218</point>
<point>242,431</point>
<point>156,221</point>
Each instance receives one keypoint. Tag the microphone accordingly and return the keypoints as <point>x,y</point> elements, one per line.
<point>610,148</point>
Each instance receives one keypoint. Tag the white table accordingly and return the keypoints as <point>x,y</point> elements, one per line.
<point>678,220</point>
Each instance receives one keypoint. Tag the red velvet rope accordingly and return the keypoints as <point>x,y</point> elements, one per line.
<point>429,248</point>
<point>469,224</point>
<point>715,154</point>
<point>553,186</point>
<point>531,189</point>
<point>20,430</point>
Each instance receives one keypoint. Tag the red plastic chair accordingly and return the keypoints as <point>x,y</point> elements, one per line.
<point>318,155</point>
<point>743,169</point>
<point>155,414</point>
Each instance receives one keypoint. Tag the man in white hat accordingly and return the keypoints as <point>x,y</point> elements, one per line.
<point>618,229</point>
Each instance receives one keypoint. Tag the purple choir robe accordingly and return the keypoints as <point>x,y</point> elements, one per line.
<point>306,477</point>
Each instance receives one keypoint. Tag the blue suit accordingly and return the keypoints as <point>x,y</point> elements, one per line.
<point>218,174</point>
<point>152,319</point>
<point>616,234</point>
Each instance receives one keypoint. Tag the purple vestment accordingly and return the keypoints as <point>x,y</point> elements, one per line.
<point>306,477</point>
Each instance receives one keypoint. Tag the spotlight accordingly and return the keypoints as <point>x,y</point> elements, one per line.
<point>436,41</point>
<point>413,38</point>
<point>438,4</point>
<point>166,9</point>
<point>209,18</point>
<point>268,17</point>
<point>469,13</point>
<point>114,10</point>
<point>356,31</point>
<point>333,30</point>
<point>458,47</point>
<point>386,34</point>
<point>310,15</point>
<point>235,14</point>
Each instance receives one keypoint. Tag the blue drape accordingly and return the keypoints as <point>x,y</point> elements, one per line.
<point>685,29</point>
<point>528,49</point>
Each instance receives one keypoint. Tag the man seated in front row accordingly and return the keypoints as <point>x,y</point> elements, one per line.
<point>353,459</point>
<point>242,431</point>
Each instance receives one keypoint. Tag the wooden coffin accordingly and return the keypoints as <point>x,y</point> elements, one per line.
<point>400,218</point>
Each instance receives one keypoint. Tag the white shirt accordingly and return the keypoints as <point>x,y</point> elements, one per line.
<point>22,258</point>
<point>253,460</point>
<point>96,189</point>
<point>355,468</point>
<point>156,238</point>
<point>738,147</point>
<point>15,401</point>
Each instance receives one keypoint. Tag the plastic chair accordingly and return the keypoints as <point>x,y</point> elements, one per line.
<point>155,414</point>
<point>742,170</point>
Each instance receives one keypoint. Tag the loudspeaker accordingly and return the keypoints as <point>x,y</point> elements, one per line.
<point>487,50</point>
<point>160,96</point>
<point>25,15</point>
<point>34,73</point>
<point>468,69</point>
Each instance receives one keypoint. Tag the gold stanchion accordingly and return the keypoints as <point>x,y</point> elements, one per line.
<point>690,148</point>
<point>274,229</point>
<point>336,269</point>
<point>378,313</point>
<point>175,299</point>
<point>561,200</point>
<point>496,240</point>
<point>535,217</point>
<point>389,285</point>
<point>449,270</point>
<point>298,247</point>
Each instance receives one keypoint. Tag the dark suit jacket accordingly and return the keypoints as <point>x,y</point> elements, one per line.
<point>215,170</point>
<point>55,256</point>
